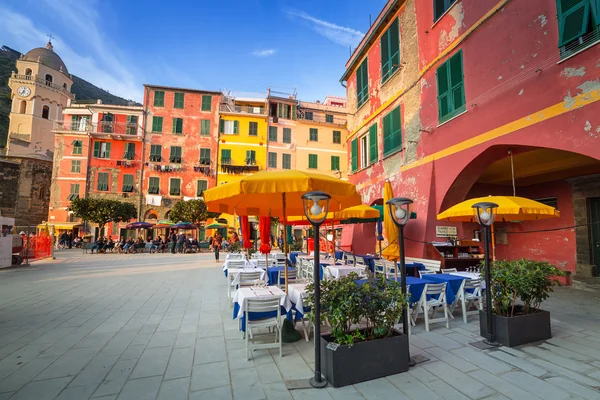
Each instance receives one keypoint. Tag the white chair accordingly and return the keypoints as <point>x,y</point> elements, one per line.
<point>235,256</point>
<point>470,295</point>
<point>232,266</point>
<point>359,260</point>
<point>236,264</point>
<point>379,267</point>
<point>448,270</point>
<point>292,278</point>
<point>390,270</point>
<point>426,272</point>
<point>310,270</point>
<point>327,275</point>
<point>263,306</point>
<point>437,299</point>
<point>248,279</point>
<point>261,263</point>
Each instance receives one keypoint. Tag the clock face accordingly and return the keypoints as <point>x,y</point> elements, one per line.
<point>23,91</point>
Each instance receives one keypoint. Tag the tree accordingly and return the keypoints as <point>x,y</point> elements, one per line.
<point>193,211</point>
<point>102,211</point>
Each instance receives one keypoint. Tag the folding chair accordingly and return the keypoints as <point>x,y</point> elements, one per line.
<point>448,270</point>
<point>470,295</point>
<point>432,299</point>
<point>327,275</point>
<point>292,278</point>
<point>426,272</point>
<point>235,256</point>
<point>270,306</point>
<point>248,278</point>
<point>232,264</point>
<point>379,267</point>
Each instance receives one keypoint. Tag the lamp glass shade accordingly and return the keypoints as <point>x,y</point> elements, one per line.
<point>485,213</point>
<point>316,206</point>
<point>400,209</point>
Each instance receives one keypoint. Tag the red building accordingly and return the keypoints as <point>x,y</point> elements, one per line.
<point>98,153</point>
<point>447,98</point>
<point>180,155</point>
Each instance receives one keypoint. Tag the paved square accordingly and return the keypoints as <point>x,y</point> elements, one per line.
<point>159,326</point>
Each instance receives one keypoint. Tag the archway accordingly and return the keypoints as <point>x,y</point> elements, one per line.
<point>49,79</point>
<point>151,215</point>
<point>28,71</point>
<point>45,112</point>
<point>23,107</point>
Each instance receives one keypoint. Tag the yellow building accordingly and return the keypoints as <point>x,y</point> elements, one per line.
<point>242,137</point>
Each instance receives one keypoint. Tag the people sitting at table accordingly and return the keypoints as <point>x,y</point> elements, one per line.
<point>110,245</point>
<point>119,244</point>
<point>128,244</point>
<point>98,245</point>
<point>155,245</point>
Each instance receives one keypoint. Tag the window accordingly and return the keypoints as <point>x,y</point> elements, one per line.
<point>329,118</point>
<point>129,151</point>
<point>373,152</point>
<point>74,193</point>
<point>155,152</point>
<point>451,90</point>
<point>107,123</point>
<point>201,186</point>
<point>159,98</point>
<point>272,134</point>
<point>390,51</point>
<point>225,156</point>
<point>205,156</point>
<point>312,161</point>
<point>153,185</point>
<point>354,155</point>
<point>230,127</point>
<point>76,166</point>
<point>177,126</point>
<point>253,128</point>
<point>337,137</point>
<point>45,112</point>
<point>577,22</point>
<point>175,187</point>
<point>175,155</point>
<point>28,72</point>
<point>362,83</point>
<point>48,79</point>
<point>132,121</point>
<point>102,181</point>
<point>128,183</point>
<point>363,153</point>
<point>250,157</point>
<point>206,102</point>
<point>272,160</point>
<point>65,86</point>
<point>287,135</point>
<point>308,115</point>
<point>77,147</point>
<point>549,201</point>
<point>392,132</point>
<point>286,161</point>
<point>23,107</point>
<point>284,110</point>
<point>79,123</point>
<point>157,123</point>
<point>178,100</point>
<point>335,163</point>
<point>440,7</point>
<point>314,135</point>
<point>101,149</point>
<point>205,127</point>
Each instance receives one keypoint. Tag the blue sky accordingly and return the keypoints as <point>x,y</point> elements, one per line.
<point>235,45</point>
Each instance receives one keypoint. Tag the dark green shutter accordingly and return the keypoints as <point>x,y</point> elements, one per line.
<point>387,133</point>
<point>293,111</point>
<point>280,110</point>
<point>236,126</point>
<point>335,163</point>
<point>456,79</point>
<point>573,19</point>
<point>443,89</point>
<point>385,65</point>
<point>206,102</point>
<point>354,155</point>
<point>222,126</point>
<point>312,161</point>
<point>373,156</point>
<point>205,127</point>
<point>96,149</point>
<point>396,140</point>
<point>73,122</point>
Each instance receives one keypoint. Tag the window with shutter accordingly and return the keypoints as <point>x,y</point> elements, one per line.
<point>206,102</point>
<point>178,100</point>
<point>74,193</point>
<point>205,127</point>
<point>154,185</point>
<point>96,149</point>
<point>175,187</point>
<point>362,83</point>
<point>308,115</point>
<point>253,128</point>
<point>578,25</point>
<point>363,151</point>
<point>77,147</point>
<point>236,127</point>
<point>76,166</point>
<point>329,118</point>
<point>450,85</point>
<point>132,121</point>
<point>287,135</point>
<point>272,134</point>
<point>159,98</point>
<point>157,123</point>
<point>201,186</point>
<point>250,157</point>
<point>129,151</point>
<point>312,161</point>
<point>390,51</point>
<point>335,163</point>
<point>286,161</point>
<point>373,155</point>
<point>177,126</point>
<point>155,152</point>
<point>102,181</point>
<point>272,160</point>
<point>354,155</point>
<point>128,183</point>
<point>337,137</point>
<point>205,156</point>
<point>226,156</point>
<point>392,132</point>
<point>175,155</point>
<point>314,135</point>
<point>440,7</point>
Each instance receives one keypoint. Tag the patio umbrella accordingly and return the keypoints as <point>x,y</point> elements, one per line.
<point>139,225</point>
<point>265,238</point>
<point>163,225</point>
<point>389,228</point>
<point>215,225</point>
<point>510,208</point>
<point>245,231</point>
<point>183,225</point>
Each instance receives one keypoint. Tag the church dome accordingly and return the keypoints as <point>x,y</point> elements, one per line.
<point>47,57</point>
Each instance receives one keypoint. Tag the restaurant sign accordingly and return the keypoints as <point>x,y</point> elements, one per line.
<point>446,231</point>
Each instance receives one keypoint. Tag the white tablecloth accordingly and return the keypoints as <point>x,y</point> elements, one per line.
<point>297,294</point>
<point>234,256</point>
<point>246,263</point>
<point>470,275</point>
<point>339,271</point>
<point>242,295</point>
<point>236,274</point>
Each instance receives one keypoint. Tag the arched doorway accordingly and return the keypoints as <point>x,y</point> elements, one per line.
<point>23,107</point>
<point>45,112</point>
<point>151,215</point>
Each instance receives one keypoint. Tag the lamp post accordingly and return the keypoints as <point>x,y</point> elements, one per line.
<point>400,209</point>
<point>484,213</point>
<point>316,206</point>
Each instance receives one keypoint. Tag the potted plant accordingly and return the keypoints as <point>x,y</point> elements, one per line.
<point>518,289</point>
<point>363,343</point>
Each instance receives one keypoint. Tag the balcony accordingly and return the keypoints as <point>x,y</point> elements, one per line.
<point>40,81</point>
<point>321,119</point>
<point>249,167</point>
<point>82,126</point>
<point>224,108</point>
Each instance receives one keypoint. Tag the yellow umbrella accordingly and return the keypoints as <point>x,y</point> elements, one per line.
<point>356,214</point>
<point>510,208</point>
<point>389,228</point>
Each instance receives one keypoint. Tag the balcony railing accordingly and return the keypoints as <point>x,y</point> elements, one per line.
<point>243,109</point>
<point>36,79</point>
<point>102,127</point>
<point>249,167</point>
<point>321,119</point>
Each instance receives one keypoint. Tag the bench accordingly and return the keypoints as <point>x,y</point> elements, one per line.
<point>430,265</point>
<point>86,247</point>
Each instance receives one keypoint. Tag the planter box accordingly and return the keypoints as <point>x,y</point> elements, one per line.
<point>518,330</point>
<point>346,365</point>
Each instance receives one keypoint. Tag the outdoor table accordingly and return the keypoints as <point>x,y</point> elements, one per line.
<point>369,260</point>
<point>339,254</point>
<point>327,263</point>
<point>413,268</point>
<point>234,256</point>
<point>275,272</point>
<point>470,275</point>
<point>236,273</point>
<point>417,285</point>
<point>296,295</point>
<point>294,255</point>
<point>339,271</point>
<point>452,287</point>
<point>246,265</point>
<point>263,293</point>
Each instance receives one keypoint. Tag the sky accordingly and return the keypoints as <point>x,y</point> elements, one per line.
<point>247,46</point>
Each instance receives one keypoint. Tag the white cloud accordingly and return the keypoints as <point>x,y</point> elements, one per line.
<point>338,34</point>
<point>103,63</point>
<point>264,52</point>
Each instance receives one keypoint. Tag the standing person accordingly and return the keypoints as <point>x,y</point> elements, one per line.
<point>70,239</point>
<point>180,242</point>
<point>173,241</point>
<point>217,241</point>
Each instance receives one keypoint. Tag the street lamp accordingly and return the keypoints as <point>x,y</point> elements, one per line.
<point>400,210</point>
<point>484,214</point>
<point>316,206</point>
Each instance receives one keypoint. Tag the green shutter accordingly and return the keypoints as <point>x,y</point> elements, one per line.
<point>354,155</point>
<point>294,111</point>
<point>456,80</point>
<point>96,149</point>
<point>373,156</point>
<point>157,124</point>
<point>153,185</point>
<point>159,98</point>
<point>201,186</point>
<point>107,152</point>
<point>272,134</point>
<point>127,183</point>
<point>73,122</point>
<point>362,82</point>
<point>236,127</point>
<point>280,110</point>
<point>178,100</point>
<point>205,127</point>
<point>387,133</point>
<point>225,156</point>
<point>443,89</point>
<point>178,125</point>
<point>390,51</point>
<point>222,126</point>
<point>450,84</point>
<point>573,19</point>
<point>206,102</point>
<point>312,161</point>
<point>335,163</point>
<point>397,130</point>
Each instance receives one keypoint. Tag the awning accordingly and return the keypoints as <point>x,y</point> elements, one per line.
<point>60,225</point>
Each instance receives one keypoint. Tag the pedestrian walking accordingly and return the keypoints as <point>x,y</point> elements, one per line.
<point>173,242</point>
<point>217,241</point>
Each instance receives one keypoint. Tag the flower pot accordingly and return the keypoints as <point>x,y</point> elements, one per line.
<point>518,330</point>
<point>344,365</point>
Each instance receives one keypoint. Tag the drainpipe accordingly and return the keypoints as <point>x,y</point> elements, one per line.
<point>145,120</point>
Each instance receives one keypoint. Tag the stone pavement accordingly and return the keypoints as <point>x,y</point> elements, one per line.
<point>133,327</point>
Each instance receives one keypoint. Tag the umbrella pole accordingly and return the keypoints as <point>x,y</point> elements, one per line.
<point>285,244</point>
<point>493,243</point>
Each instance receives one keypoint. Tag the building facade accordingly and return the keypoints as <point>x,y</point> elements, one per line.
<point>179,160</point>
<point>448,102</point>
<point>41,88</point>
<point>282,109</point>
<point>98,155</point>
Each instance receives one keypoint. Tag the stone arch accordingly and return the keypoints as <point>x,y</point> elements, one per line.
<point>46,112</point>
<point>150,214</point>
<point>167,214</point>
<point>49,79</point>
<point>28,71</point>
<point>23,107</point>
